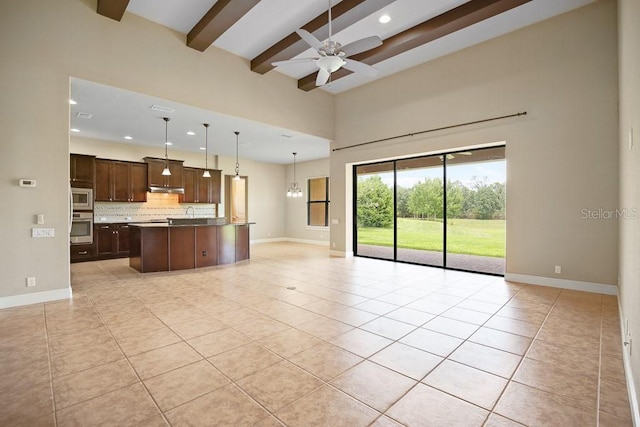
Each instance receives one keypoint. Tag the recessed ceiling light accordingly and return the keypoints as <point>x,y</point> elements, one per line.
<point>202,148</point>
<point>72,102</point>
<point>74,130</point>
<point>128,137</point>
<point>191,133</point>
<point>384,19</point>
<point>168,143</point>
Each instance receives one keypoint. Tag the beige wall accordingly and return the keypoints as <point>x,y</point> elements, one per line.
<point>45,43</point>
<point>629,31</point>
<point>296,223</point>
<point>561,156</point>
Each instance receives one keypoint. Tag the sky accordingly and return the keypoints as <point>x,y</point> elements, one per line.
<point>490,171</point>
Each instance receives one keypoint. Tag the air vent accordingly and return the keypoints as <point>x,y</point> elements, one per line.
<point>161,109</point>
<point>84,115</point>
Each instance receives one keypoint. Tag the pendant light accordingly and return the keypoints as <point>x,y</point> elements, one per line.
<point>206,173</point>
<point>166,171</point>
<point>237,177</point>
<point>294,190</point>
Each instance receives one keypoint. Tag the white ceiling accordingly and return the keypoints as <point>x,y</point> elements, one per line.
<point>117,113</point>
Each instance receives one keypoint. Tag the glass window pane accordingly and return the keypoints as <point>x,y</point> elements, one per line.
<point>317,189</point>
<point>317,214</point>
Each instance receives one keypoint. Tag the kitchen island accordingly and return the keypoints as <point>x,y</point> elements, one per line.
<point>181,245</point>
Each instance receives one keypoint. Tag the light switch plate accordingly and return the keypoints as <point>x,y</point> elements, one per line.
<point>42,232</point>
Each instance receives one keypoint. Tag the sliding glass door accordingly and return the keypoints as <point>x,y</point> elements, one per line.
<point>445,210</point>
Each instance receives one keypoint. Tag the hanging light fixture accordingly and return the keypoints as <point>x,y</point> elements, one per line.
<point>237,177</point>
<point>166,171</point>
<point>206,173</point>
<point>294,190</point>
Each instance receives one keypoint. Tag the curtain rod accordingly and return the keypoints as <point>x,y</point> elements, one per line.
<point>524,113</point>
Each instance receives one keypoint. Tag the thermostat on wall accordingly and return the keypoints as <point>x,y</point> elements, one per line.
<point>27,183</point>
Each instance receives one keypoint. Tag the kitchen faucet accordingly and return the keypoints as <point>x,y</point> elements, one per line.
<point>193,211</point>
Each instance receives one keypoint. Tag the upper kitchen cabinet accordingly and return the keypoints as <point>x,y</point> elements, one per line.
<point>82,170</point>
<point>118,181</point>
<point>198,189</point>
<point>155,177</point>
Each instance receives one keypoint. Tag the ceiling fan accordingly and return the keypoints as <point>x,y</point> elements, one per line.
<point>332,55</point>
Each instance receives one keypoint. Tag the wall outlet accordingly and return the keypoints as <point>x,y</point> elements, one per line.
<point>558,269</point>
<point>31,281</point>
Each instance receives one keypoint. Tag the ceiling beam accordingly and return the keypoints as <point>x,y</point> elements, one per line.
<point>344,14</point>
<point>113,9</point>
<point>449,22</point>
<point>222,15</point>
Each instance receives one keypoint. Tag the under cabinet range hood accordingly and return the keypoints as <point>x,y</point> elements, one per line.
<point>169,190</point>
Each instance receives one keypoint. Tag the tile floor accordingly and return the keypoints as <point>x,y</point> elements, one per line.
<point>294,337</point>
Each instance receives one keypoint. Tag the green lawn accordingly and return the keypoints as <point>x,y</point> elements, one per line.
<point>464,236</point>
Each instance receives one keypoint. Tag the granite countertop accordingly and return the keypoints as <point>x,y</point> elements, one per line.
<point>167,225</point>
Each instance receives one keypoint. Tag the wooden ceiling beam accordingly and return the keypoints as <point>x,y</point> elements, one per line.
<point>113,9</point>
<point>449,22</point>
<point>344,14</point>
<point>222,15</point>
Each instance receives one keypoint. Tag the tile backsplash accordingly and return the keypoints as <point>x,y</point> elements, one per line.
<point>157,206</point>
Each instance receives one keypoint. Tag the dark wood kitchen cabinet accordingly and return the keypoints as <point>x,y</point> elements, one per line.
<point>111,240</point>
<point>155,177</point>
<point>119,181</point>
<point>83,252</point>
<point>198,189</point>
<point>82,170</point>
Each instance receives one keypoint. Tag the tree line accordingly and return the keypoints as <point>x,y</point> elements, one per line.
<point>425,200</point>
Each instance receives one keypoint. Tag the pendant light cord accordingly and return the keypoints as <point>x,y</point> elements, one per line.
<point>237,163</point>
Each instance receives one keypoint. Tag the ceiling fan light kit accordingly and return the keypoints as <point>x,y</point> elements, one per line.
<point>332,55</point>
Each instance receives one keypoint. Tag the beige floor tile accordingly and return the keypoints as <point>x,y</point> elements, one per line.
<point>384,421</point>
<point>410,316</point>
<point>197,327</point>
<point>570,359</point>
<point>470,384</point>
<point>531,316</point>
<point>466,315</point>
<point>513,326</point>
<point>501,340</point>
<point>426,406</point>
<point>614,399</point>
<point>365,380</point>
<point>327,407</point>
<point>360,342</point>
<point>487,359</point>
<point>325,361</point>
<point>218,342</point>
<point>278,385</point>
<point>481,306</point>
<point>25,406</point>
<point>407,360</point>
<point>225,406</point>
<point>289,342</point>
<point>261,328</point>
<point>530,406</point>
<point>433,342</point>
<point>295,316</point>
<point>84,358</point>
<point>553,379</point>
<point>388,328</point>
<point>131,405</point>
<point>376,307</point>
<point>161,360</point>
<point>496,420</point>
<point>181,385</point>
<point>244,360</point>
<point>612,369</point>
<point>608,420</point>
<point>93,382</point>
<point>149,340</point>
<point>352,316</point>
<point>456,328</point>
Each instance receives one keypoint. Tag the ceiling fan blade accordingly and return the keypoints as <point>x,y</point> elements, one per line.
<point>310,39</point>
<point>293,61</point>
<point>323,76</point>
<point>361,45</point>
<point>360,67</point>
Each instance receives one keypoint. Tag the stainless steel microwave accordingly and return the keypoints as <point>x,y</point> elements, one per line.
<point>82,199</point>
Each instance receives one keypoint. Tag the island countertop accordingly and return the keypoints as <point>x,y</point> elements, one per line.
<point>169,247</point>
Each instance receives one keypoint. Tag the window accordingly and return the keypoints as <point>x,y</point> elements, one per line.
<point>318,202</point>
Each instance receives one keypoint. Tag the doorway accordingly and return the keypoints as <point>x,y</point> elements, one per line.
<point>445,210</point>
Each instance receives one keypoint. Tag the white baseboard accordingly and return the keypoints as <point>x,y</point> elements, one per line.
<point>291,239</point>
<point>628,374</point>
<point>599,288</point>
<point>341,254</point>
<point>35,298</point>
